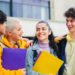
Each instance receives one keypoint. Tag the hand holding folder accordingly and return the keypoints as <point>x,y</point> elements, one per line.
<point>13,58</point>
<point>46,63</point>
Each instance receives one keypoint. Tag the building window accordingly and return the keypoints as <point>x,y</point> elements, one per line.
<point>36,9</point>
<point>4,6</point>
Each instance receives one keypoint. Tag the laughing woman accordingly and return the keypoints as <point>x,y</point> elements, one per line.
<point>44,40</point>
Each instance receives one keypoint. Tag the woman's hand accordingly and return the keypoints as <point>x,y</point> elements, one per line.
<point>23,71</point>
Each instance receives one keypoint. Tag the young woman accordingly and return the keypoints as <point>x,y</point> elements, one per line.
<point>44,40</point>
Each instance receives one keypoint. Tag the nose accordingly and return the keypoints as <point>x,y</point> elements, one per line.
<point>40,30</point>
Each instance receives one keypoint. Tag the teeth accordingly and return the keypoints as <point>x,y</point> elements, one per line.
<point>41,35</point>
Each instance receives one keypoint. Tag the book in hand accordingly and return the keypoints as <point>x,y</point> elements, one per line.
<point>46,63</point>
<point>13,58</point>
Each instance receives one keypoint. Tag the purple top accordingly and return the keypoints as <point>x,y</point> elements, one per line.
<point>44,46</point>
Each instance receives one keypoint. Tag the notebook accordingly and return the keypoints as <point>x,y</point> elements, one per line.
<point>46,63</point>
<point>13,58</point>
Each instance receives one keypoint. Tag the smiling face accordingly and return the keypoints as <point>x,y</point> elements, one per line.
<point>42,32</point>
<point>16,33</point>
<point>70,22</point>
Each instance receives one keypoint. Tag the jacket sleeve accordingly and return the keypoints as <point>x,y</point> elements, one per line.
<point>29,63</point>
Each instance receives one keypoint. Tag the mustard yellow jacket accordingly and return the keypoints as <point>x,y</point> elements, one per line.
<point>23,44</point>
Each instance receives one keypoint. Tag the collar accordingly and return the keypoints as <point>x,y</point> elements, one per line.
<point>5,41</point>
<point>68,37</point>
<point>35,46</point>
<point>21,43</point>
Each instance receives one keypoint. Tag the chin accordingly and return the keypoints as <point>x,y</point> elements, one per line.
<point>20,38</point>
<point>40,39</point>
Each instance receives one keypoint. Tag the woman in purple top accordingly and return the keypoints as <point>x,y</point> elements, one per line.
<point>44,40</point>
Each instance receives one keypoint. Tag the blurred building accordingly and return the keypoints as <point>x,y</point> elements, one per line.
<point>31,11</point>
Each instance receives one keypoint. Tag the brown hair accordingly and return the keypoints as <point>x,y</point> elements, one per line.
<point>70,13</point>
<point>3,17</point>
